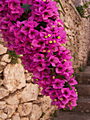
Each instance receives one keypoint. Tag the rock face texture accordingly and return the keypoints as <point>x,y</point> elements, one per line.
<point>20,98</point>
<point>14,77</point>
<point>78,33</point>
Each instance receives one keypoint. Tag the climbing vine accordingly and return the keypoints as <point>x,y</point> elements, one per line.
<point>34,30</point>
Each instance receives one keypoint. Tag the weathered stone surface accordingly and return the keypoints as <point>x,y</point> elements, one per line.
<point>14,77</point>
<point>1,82</point>
<point>1,119</point>
<point>46,103</point>
<point>3,92</point>
<point>3,115</point>
<point>25,118</point>
<point>3,64</point>
<point>12,100</point>
<point>3,49</point>
<point>28,77</point>
<point>29,93</point>
<point>36,112</point>
<point>10,110</point>
<point>1,68</point>
<point>25,109</point>
<point>47,114</point>
<point>5,58</point>
<point>16,116</point>
<point>2,105</point>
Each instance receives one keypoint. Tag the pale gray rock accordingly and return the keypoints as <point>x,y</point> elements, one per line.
<point>2,105</point>
<point>47,114</point>
<point>29,93</point>
<point>46,103</point>
<point>1,67</point>
<point>1,82</point>
<point>3,92</point>
<point>25,118</point>
<point>3,63</point>
<point>3,115</point>
<point>14,77</point>
<point>16,116</point>
<point>25,109</point>
<point>10,110</point>
<point>12,100</point>
<point>5,58</point>
<point>36,112</point>
<point>28,77</point>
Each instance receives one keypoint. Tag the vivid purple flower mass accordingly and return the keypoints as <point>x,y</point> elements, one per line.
<point>33,28</point>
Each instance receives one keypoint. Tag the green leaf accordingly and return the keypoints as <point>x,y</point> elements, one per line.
<point>26,7</point>
<point>80,10</point>
<point>14,57</point>
<point>60,3</point>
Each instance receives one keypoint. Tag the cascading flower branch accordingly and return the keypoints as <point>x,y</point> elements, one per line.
<point>33,28</point>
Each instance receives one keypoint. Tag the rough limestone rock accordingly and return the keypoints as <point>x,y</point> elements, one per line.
<point>10,110</point>
<point>3,115</point>
<point>16,117</point>
<point>25,109</point>
<point>3,63</point>
<point>3,49</point>
<point>25,118</point>
<point>3,92</point>
<point>14,77</point>
<point>5,58</point>
<point>29,93</point>
<point>47,114</point>
<point>1,82</point>
<point>2,105</point>
<point>36,112</point>
<point>12,100</point>
<point>1,67</point>
<point>46,103</point>
<point>28,77</point>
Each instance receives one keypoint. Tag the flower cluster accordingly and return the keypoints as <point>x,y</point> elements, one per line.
<point>33,28</point>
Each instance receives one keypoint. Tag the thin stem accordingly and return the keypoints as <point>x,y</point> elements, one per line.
<point>59,1</point>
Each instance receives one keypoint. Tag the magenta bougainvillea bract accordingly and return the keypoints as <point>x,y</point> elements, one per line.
<point>33,28</point>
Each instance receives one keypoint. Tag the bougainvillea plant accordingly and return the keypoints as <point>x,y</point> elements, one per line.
<point>33,28</point>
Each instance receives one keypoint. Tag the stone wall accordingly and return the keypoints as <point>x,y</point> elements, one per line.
<point>79,2</point>
<point>82,2</point>
<point>20,98</point>
<point>78,34</point>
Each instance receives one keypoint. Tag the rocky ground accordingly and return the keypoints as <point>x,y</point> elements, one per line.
<point>20,98</point>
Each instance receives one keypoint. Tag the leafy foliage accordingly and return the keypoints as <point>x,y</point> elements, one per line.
<point>26,7</point>
<point>38,34</point>
<point>14,57</point>
<point>81,9</point>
